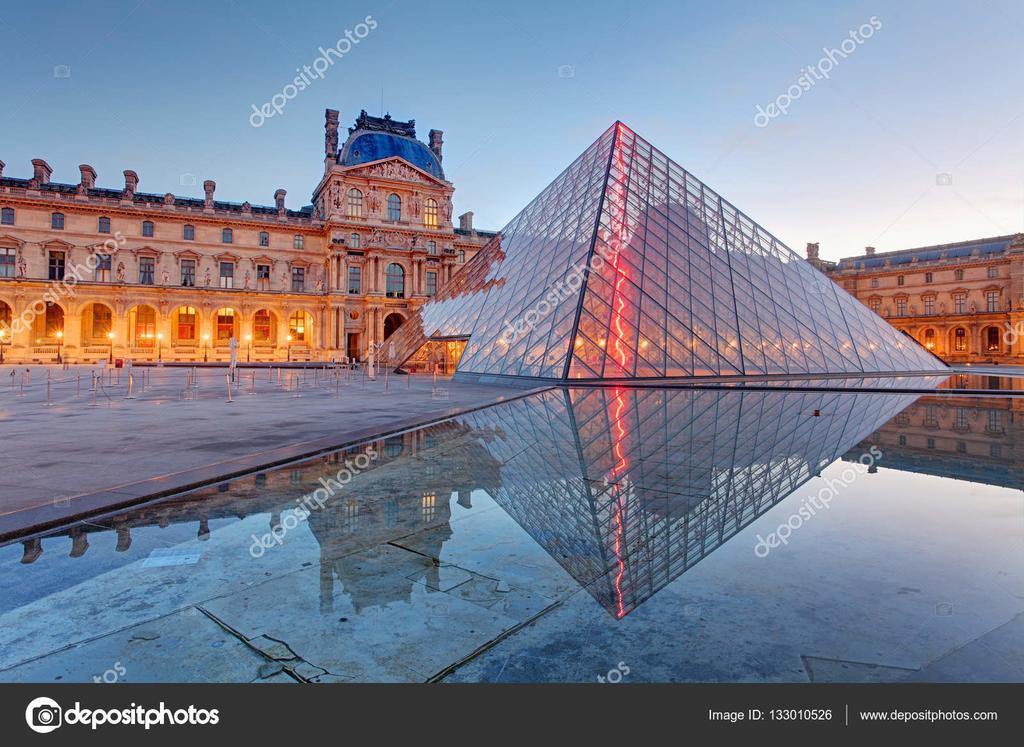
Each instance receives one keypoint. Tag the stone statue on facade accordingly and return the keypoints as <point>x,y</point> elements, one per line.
<point>206,277</point>
<point>120,272</point>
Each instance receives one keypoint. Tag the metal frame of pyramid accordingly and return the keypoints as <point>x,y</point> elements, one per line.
<point>627,267</point>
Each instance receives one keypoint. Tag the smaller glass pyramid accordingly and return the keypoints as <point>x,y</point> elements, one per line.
<point>628,267</point>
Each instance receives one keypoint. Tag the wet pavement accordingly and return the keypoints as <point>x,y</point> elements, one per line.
<point>572,535</point>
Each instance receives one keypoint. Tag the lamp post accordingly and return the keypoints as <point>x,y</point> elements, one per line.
<point>60,339</point>
<point>206,348</point>
<point>289,348</point>
<point>110,336</point>
<point>248,352</point>
<point>159,339</point>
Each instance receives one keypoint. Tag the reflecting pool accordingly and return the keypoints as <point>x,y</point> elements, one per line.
<point>680,534</point>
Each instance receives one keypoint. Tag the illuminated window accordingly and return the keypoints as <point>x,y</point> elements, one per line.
<point>261,326</point>
<point>145,326</point>
<point>54,321</point>
<point>101,321</point>
<point>430,213</point>
<point>929,339</point>
<point>355,204</point>
<point>56,265</point>
<point>225,324</point>
<point>298,326</point>
<point>262,277</point>
<point>992,339</point>
<point>394,207</point>
<point>960,339</point>
<point>429,506</point>
<point>186,323</point>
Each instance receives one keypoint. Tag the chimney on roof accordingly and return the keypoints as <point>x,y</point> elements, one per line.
<point>436,143</point>
<point>2,164</point>
<point>869,251</point>
<point>88,179</point>
<point>208,187</point>
<point>41,172</point>
<point>131,181</point>
<point>466,221</point>
<point>812,250</point>
<point>279,200</point>
<point>330,135</point>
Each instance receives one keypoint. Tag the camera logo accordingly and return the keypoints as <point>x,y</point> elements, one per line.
<point>43,715</point>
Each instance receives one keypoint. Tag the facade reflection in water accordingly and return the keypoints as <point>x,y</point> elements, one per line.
<point>626,489</point>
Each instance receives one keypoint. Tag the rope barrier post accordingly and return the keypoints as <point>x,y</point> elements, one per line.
<point>78,385</point>
<point>131,387</point>
<point>227,377</point>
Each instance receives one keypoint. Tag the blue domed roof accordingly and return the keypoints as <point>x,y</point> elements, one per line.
<point>363,147</point>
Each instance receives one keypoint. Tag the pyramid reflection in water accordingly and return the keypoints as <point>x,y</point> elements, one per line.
<point>629,488</point>
<point>628,267</point>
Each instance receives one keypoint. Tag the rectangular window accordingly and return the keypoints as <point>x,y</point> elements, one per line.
<point>188,273</point>
<point>227,274</point>
<point>874,282</point>
<point>102,273</point>
<point>7,216</point>
<point>262,277</point>
<point>900,280</point>
<point>901,307</point>
<point>354,278</point>
<point>960,339</point>
<point>928,277</point>
<point>992,301</point>
<point>929,306</point>
<point>993,272</point>
<point>875,305</point>
<point>227,236</point>
<point>462,256</point>
<point>57,221</point>
<point>431,283</point>
<point>147,228</point>
<point>188,233</point>
<point>104,225</point>
<point>7,257</point>
<point>298,279</point>
<point>431,247</point>
<point>186,323</point>
<point>298,241</point>
<point>995,421</point>
<point>354,240</point>
<point>147,270</point>
<point>56,265</point>
<point>960,303</point>
<point>264,238</point>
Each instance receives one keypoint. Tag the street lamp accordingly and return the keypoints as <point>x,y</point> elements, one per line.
<point>60,339</point>
<point>206,348</point>
<point>289,348</point>
<point>248,352</point>
<point>110,336</point>
<point>159,338</point>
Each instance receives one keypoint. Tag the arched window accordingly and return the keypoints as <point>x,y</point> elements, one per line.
<point>142,326</point>
<point>53,325</point>
<point>430,213</point>
<point>262,326</point>
<point>394,207</point>
<point>355,204</point>
<point>99,320</point>
<point>395,281</point>
<point>300,327</point>
<point>929,339</point>
<point>960,340</point>
<point>992,339</point>
<point>186,323</point>
<point>353,241</point>
<point>225,323</point>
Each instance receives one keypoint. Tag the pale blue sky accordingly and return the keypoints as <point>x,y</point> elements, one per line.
<point>166,89</point>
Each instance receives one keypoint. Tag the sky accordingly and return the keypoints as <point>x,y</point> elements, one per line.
<point>907,136</point>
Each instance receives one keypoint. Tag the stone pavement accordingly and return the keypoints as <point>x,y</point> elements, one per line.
<point>87,450</point>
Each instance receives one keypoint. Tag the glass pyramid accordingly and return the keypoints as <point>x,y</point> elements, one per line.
<point>628,267</point>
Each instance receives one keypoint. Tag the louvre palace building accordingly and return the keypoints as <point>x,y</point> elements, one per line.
<point>91,273</point>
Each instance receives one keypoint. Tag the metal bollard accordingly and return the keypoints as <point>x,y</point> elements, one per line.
<point>131,387</point>
<point>94,387</point>
<point>78,385</point>
<point>227,378</point>
<point>49,402</point>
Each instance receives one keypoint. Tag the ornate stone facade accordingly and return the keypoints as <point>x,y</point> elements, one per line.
<point>88,273</point>
<point>962,301</point>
